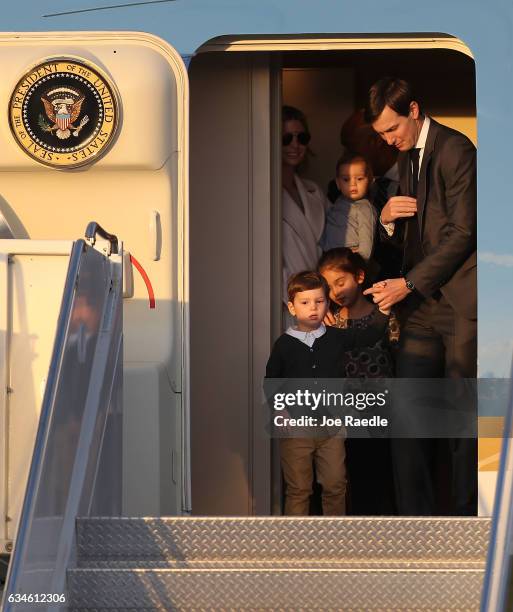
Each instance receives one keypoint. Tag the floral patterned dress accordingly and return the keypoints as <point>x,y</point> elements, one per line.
<point>375,361</point>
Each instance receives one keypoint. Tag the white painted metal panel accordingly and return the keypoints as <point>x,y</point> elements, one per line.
<point>138,189</point>
<point>3,399</point>
<point>35,287</point>
<point>32,274</point>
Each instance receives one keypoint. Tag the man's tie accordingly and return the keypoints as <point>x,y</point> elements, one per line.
<point>413,250</point>
<point>414,159</point>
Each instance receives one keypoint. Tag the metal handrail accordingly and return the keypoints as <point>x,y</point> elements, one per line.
<point>94,228</point>
<point>44,420</point>
<point>497,588</point>
<point>81,411</point>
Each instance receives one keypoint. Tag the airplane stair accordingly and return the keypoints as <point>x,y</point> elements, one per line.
<point>278,564</point>
<point>192,563</point>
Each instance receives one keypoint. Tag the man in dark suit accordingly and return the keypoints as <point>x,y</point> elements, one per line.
<point>434,220</point>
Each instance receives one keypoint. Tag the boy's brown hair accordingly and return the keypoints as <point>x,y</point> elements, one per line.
<point>304,281</point>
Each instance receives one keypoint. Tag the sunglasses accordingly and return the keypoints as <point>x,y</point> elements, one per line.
<point>302,137</point>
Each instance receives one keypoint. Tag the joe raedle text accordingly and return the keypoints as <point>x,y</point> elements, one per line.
<point>281,420</point>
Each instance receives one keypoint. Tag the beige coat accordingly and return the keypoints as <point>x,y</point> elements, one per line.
<point>301,232</point>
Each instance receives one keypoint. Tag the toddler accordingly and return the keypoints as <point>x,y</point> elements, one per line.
<point>351,220</point>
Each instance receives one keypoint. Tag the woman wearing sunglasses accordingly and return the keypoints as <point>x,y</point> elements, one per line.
<point>303,204</point>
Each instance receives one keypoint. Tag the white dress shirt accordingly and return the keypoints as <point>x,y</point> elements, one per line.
<point>307,338</point>
<point>420,144</point>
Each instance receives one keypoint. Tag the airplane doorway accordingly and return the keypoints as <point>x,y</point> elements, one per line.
<point>235,257</point>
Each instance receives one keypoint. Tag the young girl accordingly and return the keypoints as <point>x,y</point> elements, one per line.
<point>368,460</point>
<point>344,272</point>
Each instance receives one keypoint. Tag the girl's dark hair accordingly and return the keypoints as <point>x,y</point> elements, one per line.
<point>291,113</point>
<point>304,281</point>
<point>343,259</point>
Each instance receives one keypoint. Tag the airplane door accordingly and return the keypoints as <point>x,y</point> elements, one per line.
<point>233,212</point>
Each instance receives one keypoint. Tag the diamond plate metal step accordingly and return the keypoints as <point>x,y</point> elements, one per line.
<point>279,563</point>
<point>280,541</point>
<point>275,590</point>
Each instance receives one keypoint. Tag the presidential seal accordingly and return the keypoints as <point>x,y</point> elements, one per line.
<point>64,113</point>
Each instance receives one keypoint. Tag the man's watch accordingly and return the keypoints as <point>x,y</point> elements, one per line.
<point>409,284</point>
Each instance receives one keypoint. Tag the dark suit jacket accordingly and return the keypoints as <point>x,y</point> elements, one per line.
<point>447,213</point>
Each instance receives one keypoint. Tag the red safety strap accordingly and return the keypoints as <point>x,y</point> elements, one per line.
<point>146,279</point>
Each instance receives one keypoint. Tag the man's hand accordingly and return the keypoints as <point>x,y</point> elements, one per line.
<point>398,207</point>
<point>329,318</point>
<point>387,293</point>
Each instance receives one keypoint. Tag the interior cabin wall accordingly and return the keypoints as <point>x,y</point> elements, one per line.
<point>329,86</point>
<point>229,282</point>
<point>325,95</point>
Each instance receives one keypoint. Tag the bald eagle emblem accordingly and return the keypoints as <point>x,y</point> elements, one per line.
<point>62,107</point>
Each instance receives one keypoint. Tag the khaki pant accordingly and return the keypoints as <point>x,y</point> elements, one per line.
<point>298,456</point>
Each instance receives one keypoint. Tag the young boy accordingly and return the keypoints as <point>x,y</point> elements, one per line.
<point>312,350</point>
<point>351,221</point>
